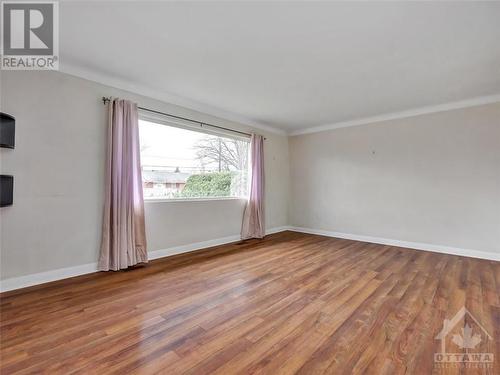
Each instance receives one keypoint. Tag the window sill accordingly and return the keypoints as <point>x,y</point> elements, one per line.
<point>167,200</point>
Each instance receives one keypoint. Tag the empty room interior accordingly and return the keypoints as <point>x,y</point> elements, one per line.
<point>250,187</point>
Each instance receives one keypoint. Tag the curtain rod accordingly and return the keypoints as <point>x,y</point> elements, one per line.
<point>106,100</point>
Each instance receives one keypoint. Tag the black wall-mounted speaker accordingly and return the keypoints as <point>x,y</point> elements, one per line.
<point>7,130</point>
<point>6,190</point>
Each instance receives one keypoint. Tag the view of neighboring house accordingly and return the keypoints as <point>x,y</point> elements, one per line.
<point>159,183</point>
<point>217,165</point>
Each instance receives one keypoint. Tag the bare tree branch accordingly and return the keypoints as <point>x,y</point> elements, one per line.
<point>225,154</point>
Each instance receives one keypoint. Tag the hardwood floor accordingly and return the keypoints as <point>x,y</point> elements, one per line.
<point>292,303</point>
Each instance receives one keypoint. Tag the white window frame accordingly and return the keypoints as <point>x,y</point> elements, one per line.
<point>188,125</point>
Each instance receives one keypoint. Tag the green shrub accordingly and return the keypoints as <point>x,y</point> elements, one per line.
<point>208,185</point>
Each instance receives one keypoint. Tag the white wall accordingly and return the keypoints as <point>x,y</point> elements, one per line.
<point>58,164</point>
<point>432,179</point>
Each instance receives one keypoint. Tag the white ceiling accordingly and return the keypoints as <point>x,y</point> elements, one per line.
<point>290,65</point>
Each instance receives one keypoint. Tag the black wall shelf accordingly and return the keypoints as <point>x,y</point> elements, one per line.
<point>7,130</point>
<point>6,190</point>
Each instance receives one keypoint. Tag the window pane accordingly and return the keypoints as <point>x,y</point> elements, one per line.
<point>180,163</point>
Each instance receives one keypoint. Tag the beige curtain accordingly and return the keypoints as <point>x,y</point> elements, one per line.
<point>123,231</point>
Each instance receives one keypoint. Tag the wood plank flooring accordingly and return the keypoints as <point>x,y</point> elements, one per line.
<point>292,303</point>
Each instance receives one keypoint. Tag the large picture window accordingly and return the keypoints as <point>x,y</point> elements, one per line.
<point>180,163</point>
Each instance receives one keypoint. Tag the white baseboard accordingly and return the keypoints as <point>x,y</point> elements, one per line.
<point>411,245</point>
<point>46,277</point>
<point>64,273</point>
<point>156,254</point>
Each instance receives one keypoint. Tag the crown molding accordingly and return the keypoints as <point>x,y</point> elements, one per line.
<point>105,79</point>
<point>398,115</point>
<point>108,80</point>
